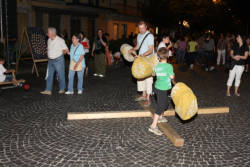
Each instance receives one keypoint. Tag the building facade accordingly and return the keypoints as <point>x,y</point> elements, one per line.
<point>116,17</point>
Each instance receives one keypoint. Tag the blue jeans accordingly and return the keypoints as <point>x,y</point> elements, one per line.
<point>8,78</point>
<point>56,65</point>
<point>181,56</point>
<point>80,75</point>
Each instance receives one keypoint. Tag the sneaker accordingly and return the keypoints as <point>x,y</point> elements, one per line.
<point>46,92</point>
<point>101,75</point>
<point>162,120</point>
<point>61,92</point>
<point>206,69</point>
<point>141,98</point>
<point>211,68</point>
<point>69,93</point>
<point>79,92</point>
<point>13,63</point>
<point>95,75</point>
<point>155,130</point>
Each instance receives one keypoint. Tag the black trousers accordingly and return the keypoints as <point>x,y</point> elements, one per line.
<point>162,101</point>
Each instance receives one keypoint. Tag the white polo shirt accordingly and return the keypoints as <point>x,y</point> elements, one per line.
<point>2,71</point>
<point>147,42</point>
<point>56,47</point>
<point>163,45</point>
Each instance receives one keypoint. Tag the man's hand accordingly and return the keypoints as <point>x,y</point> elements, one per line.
<point>65,52</point>
<point>92,54</point>
<point>130,51</point>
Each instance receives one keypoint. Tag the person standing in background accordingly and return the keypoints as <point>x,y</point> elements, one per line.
<point>85,42</point>
<point>107,51</point>
<point>209,51</point>
<point>77,65</point>
<point>239,54</point>
<point>57,48</point>
<point>248,59</point>
<point>192,47</point>
<point>98,52</point>
<point>221,50</point>
<point>181,50</point>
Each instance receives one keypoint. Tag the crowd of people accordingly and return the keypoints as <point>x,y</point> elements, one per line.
<point>202,50</point>
<point>231,51</point>
<point>79,54</point>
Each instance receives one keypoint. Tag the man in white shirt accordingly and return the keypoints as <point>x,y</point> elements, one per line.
<point>147,49</point>
<point>56,51</point>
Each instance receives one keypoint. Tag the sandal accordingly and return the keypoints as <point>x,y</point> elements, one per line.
<point>147,103</point>
<point>237,94</point>
<point>141,98</point>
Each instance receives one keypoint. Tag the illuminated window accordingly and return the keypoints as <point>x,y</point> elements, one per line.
<point>116,31</point>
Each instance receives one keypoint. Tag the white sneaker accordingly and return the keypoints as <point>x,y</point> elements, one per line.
<point>211,68</point>
<point>162,120</point>
<point>69,93</point>
<point>206,69</point>
<point>79,92</point>
<point>155,130</point>
<point>95,75</point>
<point>101,76</point>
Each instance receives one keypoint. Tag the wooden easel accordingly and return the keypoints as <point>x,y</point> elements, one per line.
<point>29,48</point>
<point>11,82</point>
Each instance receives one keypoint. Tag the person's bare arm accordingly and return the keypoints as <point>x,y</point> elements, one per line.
<point>188,47</point>
<point>9,71</point>
<point>133,49</point>
<point>245,56</point>
<point>93,49</point>
<point>170,45</point>
<point>172,77</point>
<point>103,43</point>
<point>88,45</point>
<point>149,52</point>
<point>234,57</point>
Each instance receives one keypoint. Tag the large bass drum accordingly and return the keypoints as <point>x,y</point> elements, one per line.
<point>124,50</point>
<point>143,66</point>
<point>185,101</point>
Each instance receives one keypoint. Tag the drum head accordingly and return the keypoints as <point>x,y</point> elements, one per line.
<point>124,50</point>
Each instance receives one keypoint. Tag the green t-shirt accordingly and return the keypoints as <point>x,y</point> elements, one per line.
<point>163,71</point>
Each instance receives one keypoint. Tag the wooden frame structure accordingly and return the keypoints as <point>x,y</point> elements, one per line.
<point>29,48</point>
<point>14,76</point>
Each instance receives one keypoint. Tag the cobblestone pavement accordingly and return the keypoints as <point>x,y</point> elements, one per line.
<point>34,130</point>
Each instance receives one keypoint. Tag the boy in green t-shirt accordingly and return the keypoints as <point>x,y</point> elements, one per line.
<point>164,73</point>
